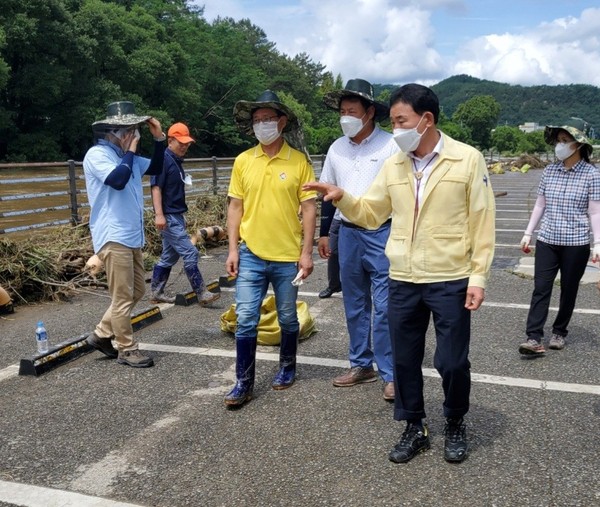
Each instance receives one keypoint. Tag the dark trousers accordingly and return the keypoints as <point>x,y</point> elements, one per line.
<point>549,260</point>
<point>409,308</point>
<point>333,263</point>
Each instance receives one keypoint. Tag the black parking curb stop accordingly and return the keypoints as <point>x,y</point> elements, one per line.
<point>145,318</point>
<point>73,348</point>
<point>191,298</point>
<point>57,354</point>
<point>227,281</point>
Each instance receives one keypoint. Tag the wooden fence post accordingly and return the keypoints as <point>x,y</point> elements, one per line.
<point>215,176</point>
<point>75,218</point>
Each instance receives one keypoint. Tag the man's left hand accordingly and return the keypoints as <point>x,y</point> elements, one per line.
<point>155,128</point>
<point>475,297</point>
<point>306,265</point>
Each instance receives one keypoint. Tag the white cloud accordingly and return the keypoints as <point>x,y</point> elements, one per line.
<point>565,51</point>
<point>394,41</point>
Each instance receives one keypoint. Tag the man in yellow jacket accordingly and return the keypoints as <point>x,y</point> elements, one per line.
<point>440,248</point>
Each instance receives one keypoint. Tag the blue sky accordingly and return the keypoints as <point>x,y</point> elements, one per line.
<point>526,42</point>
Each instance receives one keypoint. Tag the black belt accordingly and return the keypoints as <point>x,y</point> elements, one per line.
<point>354,226</point>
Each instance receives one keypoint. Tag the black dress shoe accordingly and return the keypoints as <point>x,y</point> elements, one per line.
<point>327,293</point>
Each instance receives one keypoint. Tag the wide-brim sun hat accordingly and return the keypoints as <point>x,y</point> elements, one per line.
<point>357,88</point>
<point>243,109</point>
<point>551,132</point>
<point>120,114</point>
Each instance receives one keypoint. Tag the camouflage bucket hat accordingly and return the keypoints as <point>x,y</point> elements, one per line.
<point>120,114</point>
<point>243,109</point>
<point>551,132</point>
<point>357,88</point>
<point>292,132</point>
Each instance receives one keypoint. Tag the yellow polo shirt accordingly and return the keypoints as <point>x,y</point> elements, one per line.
<point>271,189</point>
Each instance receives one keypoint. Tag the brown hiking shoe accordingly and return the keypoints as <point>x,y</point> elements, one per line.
<point>531,348</point>
<point>103,345</point>
<point>208,297</point>
<point>388,391</point>
<point>134,358</point>
<point>356,375</point>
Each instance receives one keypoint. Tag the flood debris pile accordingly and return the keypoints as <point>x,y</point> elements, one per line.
<point>521,164</point>
<point>51,264</point>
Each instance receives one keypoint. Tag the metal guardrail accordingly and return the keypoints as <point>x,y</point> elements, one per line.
<point>210,175</point>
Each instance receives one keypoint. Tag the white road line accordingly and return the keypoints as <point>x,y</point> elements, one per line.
<point>500,210</point>
<point>9,371</point>
<point>28,495</point>
<point>427,372</point>
<point>13,369</point>
<point>588,311</point>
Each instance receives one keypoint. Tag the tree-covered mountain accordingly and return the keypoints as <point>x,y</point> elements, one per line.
<point>545,105</point>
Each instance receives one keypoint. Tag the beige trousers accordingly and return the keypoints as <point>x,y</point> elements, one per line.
<point>125,273</point>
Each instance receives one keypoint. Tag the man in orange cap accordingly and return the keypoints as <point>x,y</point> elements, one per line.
<point>168,199</point>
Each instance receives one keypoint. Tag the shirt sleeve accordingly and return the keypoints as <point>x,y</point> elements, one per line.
<point>307,174</point>
<point>327,174</point>
<point>482,223</point>
<point>236,188</point>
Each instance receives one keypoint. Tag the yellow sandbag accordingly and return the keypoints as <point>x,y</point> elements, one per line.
<point>269,332</point>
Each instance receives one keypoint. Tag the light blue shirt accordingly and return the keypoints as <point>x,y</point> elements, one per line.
<point>117,215</point>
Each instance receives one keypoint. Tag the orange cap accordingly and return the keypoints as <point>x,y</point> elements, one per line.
<point>180,132</point>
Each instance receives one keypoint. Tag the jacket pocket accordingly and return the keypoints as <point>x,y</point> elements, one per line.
<point>446,252</point>
<point>396,250</point>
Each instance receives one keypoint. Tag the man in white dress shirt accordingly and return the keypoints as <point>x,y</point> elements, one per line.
<point>352,163</point>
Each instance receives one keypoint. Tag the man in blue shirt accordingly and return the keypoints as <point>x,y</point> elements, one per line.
<point>113,179</point>
<point>168,198</point>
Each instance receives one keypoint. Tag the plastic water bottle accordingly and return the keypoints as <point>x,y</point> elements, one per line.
<point>41,337</point>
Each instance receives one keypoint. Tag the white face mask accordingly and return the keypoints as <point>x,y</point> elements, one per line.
<point>564,150</point>
<point>119,133</point>
<point>351,125</point>
<point>408,139</point>
<point>266,132</point>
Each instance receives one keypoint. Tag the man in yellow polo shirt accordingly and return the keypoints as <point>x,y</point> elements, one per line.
<point>268,243</point>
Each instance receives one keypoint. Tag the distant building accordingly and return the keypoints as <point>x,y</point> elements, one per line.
<point>530,126</point>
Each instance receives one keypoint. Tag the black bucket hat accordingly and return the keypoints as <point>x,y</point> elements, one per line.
<point>243,109</point>
<point>357,88</point>
<point>120,114</point>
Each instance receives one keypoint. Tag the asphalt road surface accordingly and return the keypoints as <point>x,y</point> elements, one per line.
<point>96,433</point>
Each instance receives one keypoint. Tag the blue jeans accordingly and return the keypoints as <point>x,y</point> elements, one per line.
<point>254,276</point>
<point>364,270</point>
<point>176,243</point>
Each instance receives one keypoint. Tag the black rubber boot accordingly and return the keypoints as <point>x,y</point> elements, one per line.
<point>286,375</point>
<point>197,282</point>
<point>244,371</point>
<point>160,276</point>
